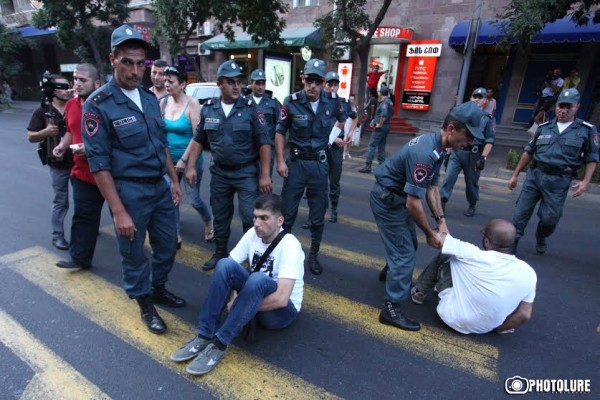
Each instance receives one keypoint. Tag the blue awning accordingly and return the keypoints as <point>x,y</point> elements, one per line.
<point>560,31</point>
<point>28,31</point>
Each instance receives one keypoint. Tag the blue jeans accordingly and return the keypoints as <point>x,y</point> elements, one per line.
<point>151,208</point>
<point>88,202</point>
<point>60,203</point>
<point>378,139</point>
<point>252,289</point>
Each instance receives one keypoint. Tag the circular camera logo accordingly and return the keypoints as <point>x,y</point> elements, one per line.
<point>516,385</point>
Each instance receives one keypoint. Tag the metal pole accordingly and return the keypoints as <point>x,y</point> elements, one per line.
<point>469,50</point>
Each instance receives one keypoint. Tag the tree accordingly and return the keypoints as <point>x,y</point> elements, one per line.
<point>76,21</point>
<point>344,24</point>
<point>523,19</point>
<point>11,43</point>
<point>177,20</point>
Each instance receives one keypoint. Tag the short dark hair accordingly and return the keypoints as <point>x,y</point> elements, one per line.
<point>177,71</point>
<point>450,119</point>
<point>160,63</point>
<point>90,70</point>
<point>269,202</point>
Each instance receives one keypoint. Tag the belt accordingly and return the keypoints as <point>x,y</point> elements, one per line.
<point>152,181</point>
<point>234,167</point>
<point>297,154</point>
<point>553,170</point>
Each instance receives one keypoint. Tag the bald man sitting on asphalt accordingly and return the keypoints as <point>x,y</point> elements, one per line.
<point>480,290</point>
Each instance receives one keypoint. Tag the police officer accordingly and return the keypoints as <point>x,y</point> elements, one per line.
<point>265,105</point>
<point>314,119</point>
<point>558,148</point>
<point>236,132</point>
<point>401,182</point>
<point>471,160</point>
<point>127,151</point>
<point>381,123</point>
<point>336,151</point>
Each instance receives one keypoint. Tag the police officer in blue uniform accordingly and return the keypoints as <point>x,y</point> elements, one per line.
<point>558,148</point>
<point>336,151</point>
<point>471,160</point>
<point>402,181</point>
<point>266,105</point>
<point>314,119</point>
<point>127,151</point>
<point>381,123</point>
<point>236,133</point>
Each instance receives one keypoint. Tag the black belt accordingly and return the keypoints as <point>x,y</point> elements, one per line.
<point>553,170</point>
<point>297,154</point>
<point>234,167</point>
<point>152,181</point>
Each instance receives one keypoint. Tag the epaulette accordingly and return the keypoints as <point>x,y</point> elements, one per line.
<point>544,123</point>
<point>100,97</point>
<point>587,124</point>
<point>250,102</point>
<point>330,95</point>
<point>295,96</point>
<point>211,101</point>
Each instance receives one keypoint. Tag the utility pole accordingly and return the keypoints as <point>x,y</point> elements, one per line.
<point>469,50</point>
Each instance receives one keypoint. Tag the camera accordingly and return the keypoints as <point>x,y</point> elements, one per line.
<point>49,85</point>
<point>516,385</point>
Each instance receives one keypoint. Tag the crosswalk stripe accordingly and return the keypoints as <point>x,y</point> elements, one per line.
<point>106,305</point>
<point>435,344</point>
<point>54,378</point>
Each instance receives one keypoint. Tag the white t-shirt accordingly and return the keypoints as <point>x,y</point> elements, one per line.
<point>134,95</point>
<point>227,108</point>
<point>487,286</point>
<point>287,259</point>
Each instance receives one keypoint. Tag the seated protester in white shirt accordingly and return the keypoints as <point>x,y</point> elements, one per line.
<point>271,289</point>
<point>480,290</point>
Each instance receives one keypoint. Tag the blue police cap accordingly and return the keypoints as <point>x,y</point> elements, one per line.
<point>125,33</point>
<point>384,90</point>
<point>470,114</point>
<point>258,75</point>
<point>230,69</point>
<point>480,91</point>
<point>568,96</point>
<point>315,66</point>
<point>332,76</point>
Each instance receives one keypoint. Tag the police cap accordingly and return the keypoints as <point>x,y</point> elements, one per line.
<point>470,114</point>
<point>258,75</point>
<point>230,69</point>
<point>125,33</point>
<point>568,96</point>
<point>332,76</point>
<point>315,66</point>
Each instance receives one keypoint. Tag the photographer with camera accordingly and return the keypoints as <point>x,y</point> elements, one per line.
<point>46,127</point>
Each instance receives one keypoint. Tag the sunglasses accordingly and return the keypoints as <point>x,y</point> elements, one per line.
<point>316,81</point>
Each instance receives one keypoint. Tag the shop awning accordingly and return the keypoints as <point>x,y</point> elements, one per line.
<point>29,31</point>
<point>560,31</point>
<point>305,35</point>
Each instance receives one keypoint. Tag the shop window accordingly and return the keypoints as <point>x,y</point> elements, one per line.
<point>7,7</point>
<point>304,3</point>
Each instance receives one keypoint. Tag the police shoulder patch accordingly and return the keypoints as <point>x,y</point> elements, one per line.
<point>91,123</point>
<point>100,97</point>
<point>544,123</point>
<point>250,102</point>
<point>587,124</point>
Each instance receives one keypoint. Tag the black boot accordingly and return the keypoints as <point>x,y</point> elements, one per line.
<point>366,169</point>
<point>153,321</point>
<point>221,252</point>
<point>313,264</point>
<point>160,295</point>
<point>333,216</point>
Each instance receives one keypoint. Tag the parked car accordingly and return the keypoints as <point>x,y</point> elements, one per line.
<point>203,91</point>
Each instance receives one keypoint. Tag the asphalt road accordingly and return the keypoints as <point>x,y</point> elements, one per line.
<point>76,335</point>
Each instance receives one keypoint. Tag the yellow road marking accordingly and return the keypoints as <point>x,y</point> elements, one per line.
<point>54,378</point>
<point>107,305</point>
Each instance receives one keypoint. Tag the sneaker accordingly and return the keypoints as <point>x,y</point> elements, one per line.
<point>191,349</point>
<point>391,314</point>
<point>206,360</point>
<point>416,296</point>
<point>470,211</point>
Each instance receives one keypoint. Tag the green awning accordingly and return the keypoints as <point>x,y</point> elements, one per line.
<point>305,35</point>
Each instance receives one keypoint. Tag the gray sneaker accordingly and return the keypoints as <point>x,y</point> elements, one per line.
<point>190,349</point>
<point>206,360</point>
<point>416,296</point>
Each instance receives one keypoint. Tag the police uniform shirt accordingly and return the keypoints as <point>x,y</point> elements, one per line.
<point>270,109</point>
<point>349,111</point>
<point>488,131</point>
<point>564,149</point>
<point>309,131</point>
<point>235,139</point>
<point>120,138</point>
<point>384,109</point>
<point>414,167</point>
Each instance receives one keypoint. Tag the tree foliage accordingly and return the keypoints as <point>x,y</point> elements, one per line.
<point>177,20</point>
<point>350,23</point>
<point>10,45</point>
<point>76,22</point>
<point>523,19</point>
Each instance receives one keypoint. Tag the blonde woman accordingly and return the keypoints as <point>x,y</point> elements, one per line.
<point>181,114</point>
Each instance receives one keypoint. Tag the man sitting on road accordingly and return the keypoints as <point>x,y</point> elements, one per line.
<point>273,295</point>
<point>480,290</point>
